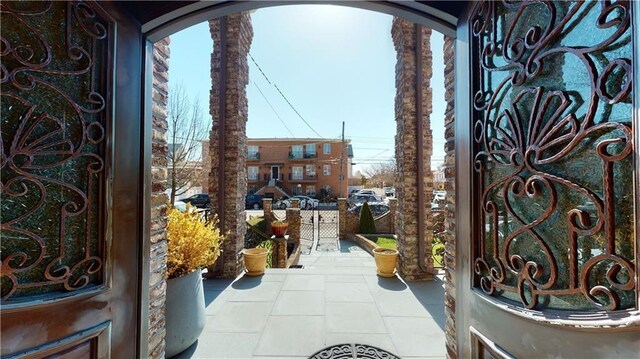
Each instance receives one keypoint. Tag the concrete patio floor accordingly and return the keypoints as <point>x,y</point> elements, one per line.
<point>336,298</point>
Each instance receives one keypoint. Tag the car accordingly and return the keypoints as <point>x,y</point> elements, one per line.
<point>361,198</point>
<point>307,202</point>
<point>389,191</point>
<point>253,201</point>
<point>200,200</point>
<point>377,208</point>
<point>365,192</point>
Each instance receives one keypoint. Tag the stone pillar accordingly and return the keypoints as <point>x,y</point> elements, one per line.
<point>404,34</point>
<point>158,232</point>
<point>393,209</point>
<point>279,254</point>
<point>294,221</point>
<point>450,208</point>
<point>342,218</point>
<point>229,126</point>
<point>267,205</point>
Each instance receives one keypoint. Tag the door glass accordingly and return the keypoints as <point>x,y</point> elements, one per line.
<point>553,135</point>
<point>55,125</point>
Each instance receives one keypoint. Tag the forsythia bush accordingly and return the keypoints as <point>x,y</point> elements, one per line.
<point>192,243</point>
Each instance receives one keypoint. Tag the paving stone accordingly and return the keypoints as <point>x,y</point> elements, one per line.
<point>292,335</point>
<point>298,302</point>
<point>226,345</point>
<point>348,292</point>
<point>416,336</point>
<point>261,292</point>
<point>303,282</point>
<point>382,341</point>
<point>400,304</point>
<point>239,317</point>
<point>354,318</point>
<point>344,278</point>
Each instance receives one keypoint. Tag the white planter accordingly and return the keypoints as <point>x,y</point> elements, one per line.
<point>184,312</point>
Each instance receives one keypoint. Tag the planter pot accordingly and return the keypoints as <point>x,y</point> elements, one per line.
<point>279,229</point>
<point>386,260</point>
<point>255,260</point>
<point>184,312</point>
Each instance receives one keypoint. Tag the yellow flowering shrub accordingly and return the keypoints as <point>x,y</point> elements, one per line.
<point>192,243</point>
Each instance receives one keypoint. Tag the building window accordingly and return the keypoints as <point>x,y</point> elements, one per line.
<point>326,148</point>
<point>252,153</point>
<point>296,173</point>
<point>252,189</point>
<point>310,150</point>
<point>296,151</point>
<point>311,170</point>
<point>297,190</point>
<point>326,170</point>
<point>311,191</point>
<point>252,173</point>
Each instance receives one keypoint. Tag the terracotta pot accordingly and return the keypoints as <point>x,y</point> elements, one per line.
<point>279,229</point>
<point>184,311</point>
<point>386,261</point>
<point>255,260</point>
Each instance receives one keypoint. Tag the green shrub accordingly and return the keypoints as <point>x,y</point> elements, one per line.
<point>367,224</point>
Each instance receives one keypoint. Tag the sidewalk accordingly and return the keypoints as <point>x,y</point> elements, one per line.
<point>335,299</point>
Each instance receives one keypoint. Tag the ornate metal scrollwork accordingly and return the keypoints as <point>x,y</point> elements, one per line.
<point>553,153</point>
<point>55,78</point>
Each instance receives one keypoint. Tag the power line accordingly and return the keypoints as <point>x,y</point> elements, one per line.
<point>274,110</point>
<point>284,97</point>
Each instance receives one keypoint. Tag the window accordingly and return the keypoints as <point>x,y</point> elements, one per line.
<point>252,189</point>
<point>310,150</point>
<point>311,170</point>
<point>326,148</point>
<point>252,153</point>
<point>297,190</point>
<point>252,173</point>
<point>311,190</point>
<point>326,170</point>
<point>296,173</point>
<point>296,151</point>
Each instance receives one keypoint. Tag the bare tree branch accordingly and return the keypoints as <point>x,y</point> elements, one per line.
<point>187,127</point>
<point>382,174</point>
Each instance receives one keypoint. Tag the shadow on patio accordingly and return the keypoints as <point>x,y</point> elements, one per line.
<point>336,298</point>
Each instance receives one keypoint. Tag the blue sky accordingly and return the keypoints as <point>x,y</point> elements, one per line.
<point>333,63</point>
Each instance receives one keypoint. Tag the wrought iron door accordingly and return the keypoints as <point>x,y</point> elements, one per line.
<point>307,230</point>
<point>69,245</point>
<point>548,127</point>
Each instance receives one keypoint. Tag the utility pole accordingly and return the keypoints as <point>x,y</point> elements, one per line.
<point>342,162</point>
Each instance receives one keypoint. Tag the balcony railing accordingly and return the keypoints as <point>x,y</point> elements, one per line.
<point>303,178</point>
<point>299,155</point>
<point>253,156</point>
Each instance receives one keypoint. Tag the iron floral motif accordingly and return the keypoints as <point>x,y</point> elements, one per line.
<point>55,122</point>
<point>531,126</point>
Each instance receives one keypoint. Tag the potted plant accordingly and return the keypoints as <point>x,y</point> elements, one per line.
<point>279,228</point>
<point>255,260</point>
<point>386,261</point>
<point>192,244</point>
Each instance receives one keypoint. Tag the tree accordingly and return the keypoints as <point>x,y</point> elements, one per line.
<point>367,223</point>
<point>382,174</point>
<point>187,127</point>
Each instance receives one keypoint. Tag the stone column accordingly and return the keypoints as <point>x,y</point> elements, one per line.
<point>393,209</point>
<point>295,203</point>
<point>405,34</point>
<point>279,254</point>
<point>450,208</point>
<point>232,37</point>
<point>342,218</point>
<point>293,221</point>
<point>158,252</point>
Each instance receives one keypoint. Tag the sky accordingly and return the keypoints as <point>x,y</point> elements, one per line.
<point>332,63</point>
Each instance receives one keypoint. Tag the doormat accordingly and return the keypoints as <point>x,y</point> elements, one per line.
<point>353,351</point>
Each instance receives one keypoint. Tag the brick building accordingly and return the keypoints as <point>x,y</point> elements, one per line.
<point>292,166</point>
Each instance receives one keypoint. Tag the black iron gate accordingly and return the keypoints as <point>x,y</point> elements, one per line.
<point>306,230</point>
<point>319,229</point>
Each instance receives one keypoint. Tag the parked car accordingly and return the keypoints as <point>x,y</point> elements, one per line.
<point>253,201</point>
<point>361,198</point>
<point>377,208</point>
<point>365,192</point>
<point>305,202</point>
<point>389,191</point>
<point>200,200</point>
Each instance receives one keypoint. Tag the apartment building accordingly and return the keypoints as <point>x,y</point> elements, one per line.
<point>295,166</point>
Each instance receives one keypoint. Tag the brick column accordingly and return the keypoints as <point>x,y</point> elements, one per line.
<point>293,220</point>
<point>342,218</point>
<point>279,254</point>
<point>229,126</point>
<point>393,209</point>
<point>450,208</point>
<point>295,203</point>
<point>158,252</point>
<point>404,34</point>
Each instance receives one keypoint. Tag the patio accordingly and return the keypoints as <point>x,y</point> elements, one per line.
<point>335,299</point>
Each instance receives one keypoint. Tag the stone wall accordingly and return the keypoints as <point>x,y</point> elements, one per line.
<point>158,230</point>
<point>405,35</point>
<point>385,223</point>
<point>229,123</point>
<point>450,208</point>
